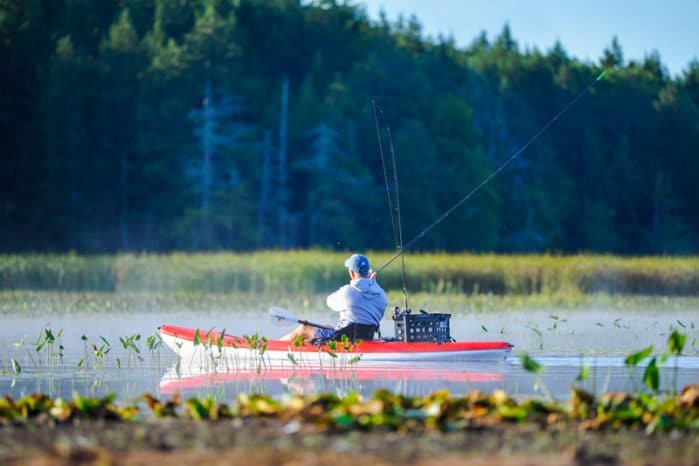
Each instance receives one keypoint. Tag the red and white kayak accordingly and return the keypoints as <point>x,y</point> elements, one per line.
<point>236,351</point>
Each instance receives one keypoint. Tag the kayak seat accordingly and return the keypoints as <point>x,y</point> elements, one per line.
<point>354,332</point>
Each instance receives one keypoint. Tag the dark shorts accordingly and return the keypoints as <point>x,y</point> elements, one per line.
<point>353,332</point>
<point>323,333</point>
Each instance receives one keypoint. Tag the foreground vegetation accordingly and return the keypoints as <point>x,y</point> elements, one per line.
<point>385,411</point>
<point>314,271</point>
<point>270,442</point>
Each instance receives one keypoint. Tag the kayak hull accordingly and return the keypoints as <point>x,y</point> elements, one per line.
<point>191,344</point>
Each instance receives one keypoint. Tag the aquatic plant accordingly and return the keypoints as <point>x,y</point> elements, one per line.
<point>45,344</point>
<point>258,348</point>
<point>131,347</point>
<point>83,361</point>
<point>100,352</point>
<point>154,343</point>
<point>206,409</point>
<point>632,360</point>
<point>39,408</point>
<point>651,374</point>
<point>539,335</point>
<point>675,344</point>
<point>584,372</point>
<point>531,365</point>
<point>636,410</point>
<point>162,409</point>
<point>386,411</point>
<point>16,368</point>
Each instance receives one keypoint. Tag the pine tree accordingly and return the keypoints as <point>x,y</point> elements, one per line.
<point>122,60</point>
<point>218,132</point>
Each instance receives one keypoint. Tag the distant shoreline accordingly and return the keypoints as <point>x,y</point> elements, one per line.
<point>308,272</point>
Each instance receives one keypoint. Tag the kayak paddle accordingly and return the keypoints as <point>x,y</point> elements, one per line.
<point>278,315</point>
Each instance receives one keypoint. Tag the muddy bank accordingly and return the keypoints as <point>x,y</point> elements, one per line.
<point>263,442</point>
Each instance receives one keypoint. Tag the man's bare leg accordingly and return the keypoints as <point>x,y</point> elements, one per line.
<point>304,331</point>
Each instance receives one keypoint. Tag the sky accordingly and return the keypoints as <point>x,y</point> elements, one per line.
<point>584,27</point>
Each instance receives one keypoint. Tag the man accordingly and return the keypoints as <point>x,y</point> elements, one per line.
<point>361,305</point>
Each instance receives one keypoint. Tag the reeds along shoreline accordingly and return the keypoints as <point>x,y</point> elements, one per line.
<point>317,271</point>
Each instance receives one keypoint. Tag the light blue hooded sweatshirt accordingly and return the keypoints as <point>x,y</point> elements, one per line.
<point>362,301</point>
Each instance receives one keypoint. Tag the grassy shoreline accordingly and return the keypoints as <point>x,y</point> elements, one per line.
<point>315,271</point>
<point>41,302</point>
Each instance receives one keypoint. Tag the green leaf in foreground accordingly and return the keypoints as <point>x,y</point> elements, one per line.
<point>676,342</point>
<point>530,365</point>
<point>16,368</point>
<point>635,358</point>
<point>651,376</point>
<point>584,373</point>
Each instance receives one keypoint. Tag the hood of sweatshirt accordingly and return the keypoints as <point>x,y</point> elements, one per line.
<point>366,286</point>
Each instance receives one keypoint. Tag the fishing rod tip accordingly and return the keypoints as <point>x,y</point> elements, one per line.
<point>601,75</point>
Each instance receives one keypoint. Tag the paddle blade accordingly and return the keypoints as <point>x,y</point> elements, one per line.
<point>281,316</point>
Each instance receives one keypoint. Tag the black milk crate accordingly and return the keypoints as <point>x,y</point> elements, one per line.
<point>421,327</point>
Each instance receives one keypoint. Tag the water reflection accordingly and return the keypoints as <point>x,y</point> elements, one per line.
<point>167,377</point>
<point>604,375</point>
<point>405,379</point>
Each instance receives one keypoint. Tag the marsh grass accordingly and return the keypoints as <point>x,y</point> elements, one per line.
<point>315,271</point>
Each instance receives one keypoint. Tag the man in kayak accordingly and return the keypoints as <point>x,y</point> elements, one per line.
<point>361,305</point>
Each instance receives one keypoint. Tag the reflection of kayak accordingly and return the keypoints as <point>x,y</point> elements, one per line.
<point>179,379</point>
<point>190,343</point>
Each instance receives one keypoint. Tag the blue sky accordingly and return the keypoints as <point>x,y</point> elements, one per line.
<point>584,27</point>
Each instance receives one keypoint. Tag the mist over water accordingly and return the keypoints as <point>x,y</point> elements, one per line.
<point>563,341</point>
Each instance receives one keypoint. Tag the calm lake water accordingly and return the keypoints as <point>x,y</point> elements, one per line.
<point>563,341</point>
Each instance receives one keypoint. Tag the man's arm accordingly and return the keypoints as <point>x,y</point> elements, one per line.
<point>337,301</point>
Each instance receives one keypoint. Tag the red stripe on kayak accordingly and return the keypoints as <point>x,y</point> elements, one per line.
<point>366,347</point>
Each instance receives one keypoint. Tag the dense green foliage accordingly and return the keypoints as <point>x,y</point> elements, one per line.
<point>309,272</point>
<point>133,125</point>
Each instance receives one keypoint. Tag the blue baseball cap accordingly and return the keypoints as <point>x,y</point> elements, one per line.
<point>358,263</point>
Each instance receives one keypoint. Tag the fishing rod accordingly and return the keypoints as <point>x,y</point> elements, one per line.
<point>400,228</point>
<point>487,179</point>
<point>385,175</point>
<point>395,219</point>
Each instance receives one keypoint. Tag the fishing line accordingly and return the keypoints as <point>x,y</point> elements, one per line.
<point>396,222</point>
<point>400,228</point>
<point>385,176</point>
<point>448,212</point>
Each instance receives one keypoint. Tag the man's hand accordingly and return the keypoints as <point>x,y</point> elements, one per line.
<point>372,275</point>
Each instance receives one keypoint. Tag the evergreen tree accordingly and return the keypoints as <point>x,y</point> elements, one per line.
<point>613,56</point>
<point>25,46</point>
<point>211,124</point>
<point>72,168</point>
<point>216,178</point>
<point>122,58</point>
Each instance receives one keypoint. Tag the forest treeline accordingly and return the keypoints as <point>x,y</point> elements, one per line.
<point>158,125</point>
